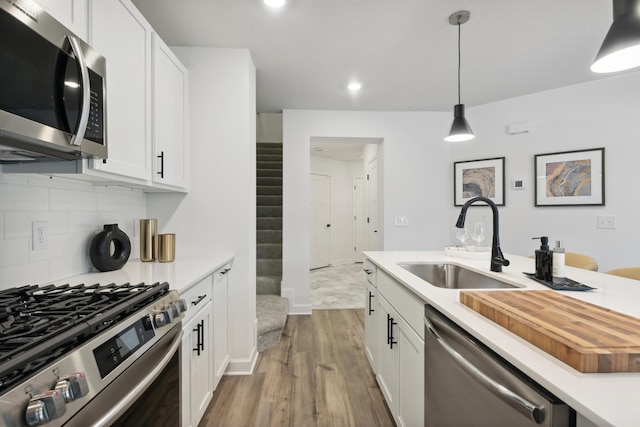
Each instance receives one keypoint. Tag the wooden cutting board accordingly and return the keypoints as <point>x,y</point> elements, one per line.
<point>585,336</point>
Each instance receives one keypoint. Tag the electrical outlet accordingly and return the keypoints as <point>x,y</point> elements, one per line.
<point>39,235</point>
<point>401,221</point>
<point>606,221</point>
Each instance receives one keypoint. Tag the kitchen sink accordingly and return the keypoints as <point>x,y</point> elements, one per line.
<point>453,276</point>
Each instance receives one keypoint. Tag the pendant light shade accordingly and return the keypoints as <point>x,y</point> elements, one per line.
<point>460,129</point>
<point>620,49</point>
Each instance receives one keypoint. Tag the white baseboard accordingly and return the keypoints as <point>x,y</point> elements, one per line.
<point>294,309</point>
<point>243,366</point>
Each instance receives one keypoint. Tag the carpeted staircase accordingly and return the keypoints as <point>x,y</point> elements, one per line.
<point>271,308</point>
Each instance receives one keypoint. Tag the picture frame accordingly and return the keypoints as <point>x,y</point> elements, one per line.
<point>484,177</point>
<point>570,178</point>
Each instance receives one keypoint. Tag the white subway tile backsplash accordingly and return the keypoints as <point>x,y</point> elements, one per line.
<point>25,274</point>
<point>18,224</point>
<point>70,200</point>
<point>23,198</point>
<point>74,211</point>
<point>14,251</point>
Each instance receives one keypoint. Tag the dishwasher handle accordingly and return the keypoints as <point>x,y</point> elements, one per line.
<point>514,400</point>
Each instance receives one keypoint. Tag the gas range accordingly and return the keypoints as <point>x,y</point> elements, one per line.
<point>60,346</point>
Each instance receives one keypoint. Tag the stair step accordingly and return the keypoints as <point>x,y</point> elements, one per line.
<point>272,181</point>
<point>269,251</point>
<point>269,211</point>
<point>269,223</point>
<point>266,190</point>
<point>268,165</point>
<point>268,267</point>
<point>260,157</point>
<point>269,200</point>
<point>268,236</point>
<point>268,285</point>
<point>271,315</point>
<point>269,172</point>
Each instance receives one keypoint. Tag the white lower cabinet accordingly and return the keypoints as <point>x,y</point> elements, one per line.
<point>400,350</point>
<point>221,355</point>
<point>196,377</point>
<point>371,325</point>
<point>196,347</point>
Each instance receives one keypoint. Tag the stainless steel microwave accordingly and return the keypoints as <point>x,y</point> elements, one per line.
<point>52,89</point>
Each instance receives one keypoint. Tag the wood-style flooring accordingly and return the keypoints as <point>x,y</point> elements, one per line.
<point>317,376</point>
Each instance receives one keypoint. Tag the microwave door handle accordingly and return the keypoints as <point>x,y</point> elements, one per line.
<point>514,400</point>
<point>85,99</point>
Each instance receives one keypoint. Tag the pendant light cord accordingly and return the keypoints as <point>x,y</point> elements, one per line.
<point>459,59</point>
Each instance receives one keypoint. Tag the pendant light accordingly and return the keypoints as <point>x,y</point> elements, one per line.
<point>620,49</point>
<point>460,130</point>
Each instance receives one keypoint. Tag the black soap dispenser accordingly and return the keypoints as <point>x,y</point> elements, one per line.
<point>544,260</point>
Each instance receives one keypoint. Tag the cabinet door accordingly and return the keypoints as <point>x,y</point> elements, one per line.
<point>121,34</point>
<point>71,13</point>
<point>197,375</point>
<point>169,116</point>
<point>371,325</point>
<point>388,361</point>
<point>411,374</point>
<point>220,324</point>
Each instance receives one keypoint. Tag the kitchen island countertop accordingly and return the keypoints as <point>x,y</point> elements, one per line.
<point>180,274</point>
<point>605,399</point>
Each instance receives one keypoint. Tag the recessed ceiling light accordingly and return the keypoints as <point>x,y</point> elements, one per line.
<point>274,3</point>
<point>354,87</point>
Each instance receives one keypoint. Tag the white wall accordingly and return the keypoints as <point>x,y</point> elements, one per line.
<point>218,215</point>
<point>74,211</point>
<point>342,174</point>
<point>414,153</point>
<point>602,113</point>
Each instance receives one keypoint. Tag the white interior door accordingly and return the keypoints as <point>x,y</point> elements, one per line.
<point>320,194</point>
<point>358,218</point>
<point>372,205</point>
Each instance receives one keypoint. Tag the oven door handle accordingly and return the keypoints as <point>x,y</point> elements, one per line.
<point>137,391</point>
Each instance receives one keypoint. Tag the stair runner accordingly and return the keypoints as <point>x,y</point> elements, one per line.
<point>271,308</point>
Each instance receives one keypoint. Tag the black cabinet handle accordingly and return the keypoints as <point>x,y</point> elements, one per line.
<point>161,157</point>
<point>368,271</point>
<point>225,271</point>
<point>371,310</point>
<point>197,330</point>
<point>200,339</point>
<point>199,300</point>
<point>391,341</point>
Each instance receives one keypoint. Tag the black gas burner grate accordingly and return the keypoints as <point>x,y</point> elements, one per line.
<point>38,324</point>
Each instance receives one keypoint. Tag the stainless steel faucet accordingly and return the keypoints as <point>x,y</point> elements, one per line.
<point>497,258</point>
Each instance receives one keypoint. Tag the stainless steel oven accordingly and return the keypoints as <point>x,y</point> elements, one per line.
<point>90,355</point>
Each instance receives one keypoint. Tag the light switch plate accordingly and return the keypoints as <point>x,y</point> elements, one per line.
<point>401,221</point>
<point>606,221</point>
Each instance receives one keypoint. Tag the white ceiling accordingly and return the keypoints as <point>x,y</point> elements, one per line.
<point>403,51</point>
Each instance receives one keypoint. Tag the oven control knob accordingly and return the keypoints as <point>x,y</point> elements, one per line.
<point>182,305</point>
<point>162,318</point>
<point>73,386</point>
<point>45,407</point>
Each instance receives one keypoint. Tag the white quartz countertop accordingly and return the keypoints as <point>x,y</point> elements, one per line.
<point>180,274</point>
<point>605,399</point>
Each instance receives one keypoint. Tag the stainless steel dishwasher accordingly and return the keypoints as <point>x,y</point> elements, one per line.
<point>467,384</point>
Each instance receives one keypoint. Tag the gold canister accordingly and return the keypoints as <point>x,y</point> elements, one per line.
<point>148,239</point>
<point>166,247</point>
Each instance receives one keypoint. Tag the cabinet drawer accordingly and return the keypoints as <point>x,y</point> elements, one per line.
<point>197,296</point>
<point>371,271</point>
<point>221,274</point>
<point>410,307</point>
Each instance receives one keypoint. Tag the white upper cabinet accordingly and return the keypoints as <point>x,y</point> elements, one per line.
<point>123,36</point>
<point>169,116</point>
<point>71,13</point>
